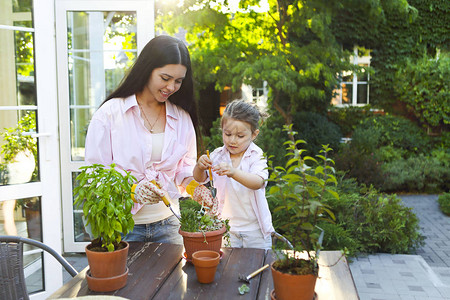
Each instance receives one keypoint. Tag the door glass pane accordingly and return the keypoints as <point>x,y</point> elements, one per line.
<point>22,217</point>
<point>21,5</point>
<point>18,110</point>
<point>101,47</point>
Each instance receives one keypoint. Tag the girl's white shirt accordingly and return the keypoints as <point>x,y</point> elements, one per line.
<point>252,162</point>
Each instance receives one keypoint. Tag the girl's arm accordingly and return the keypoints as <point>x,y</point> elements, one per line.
<point>202,165</point>
<point>249,180</point>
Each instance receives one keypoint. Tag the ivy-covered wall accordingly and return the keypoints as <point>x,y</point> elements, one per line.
<point>394,35</point>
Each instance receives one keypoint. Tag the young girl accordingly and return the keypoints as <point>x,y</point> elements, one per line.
<point>239,174</point>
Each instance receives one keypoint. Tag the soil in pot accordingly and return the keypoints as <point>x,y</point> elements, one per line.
<point>293,287</point>
<point>195,241</point>
<point>205,262</point>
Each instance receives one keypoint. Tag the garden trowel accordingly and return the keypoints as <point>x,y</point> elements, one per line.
<point>211,185</point>
<point>166,201</point>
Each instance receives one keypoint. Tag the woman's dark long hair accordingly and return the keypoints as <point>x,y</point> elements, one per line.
<point>160,51</point>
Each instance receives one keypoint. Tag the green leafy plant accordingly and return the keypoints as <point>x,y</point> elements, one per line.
<point>244,289</point>
<point>105,196</point>
<point>16,141</point>
<point>299,188</point>
<point>195,218</point>
<point>444,203</point>
<point>421,85</point>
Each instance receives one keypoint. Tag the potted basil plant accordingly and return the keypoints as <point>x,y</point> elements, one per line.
<point>298,189</point>
<point>105,197</point>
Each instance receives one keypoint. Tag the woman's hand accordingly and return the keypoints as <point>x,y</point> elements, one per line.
<point>203,196</point>
<point>147,193</point>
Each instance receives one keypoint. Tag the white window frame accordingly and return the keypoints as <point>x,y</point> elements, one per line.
<point>145,31</point>
<point>48,147</point>
<point>356,60</point>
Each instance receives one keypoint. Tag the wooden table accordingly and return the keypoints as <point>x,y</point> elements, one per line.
<point>159,271</point>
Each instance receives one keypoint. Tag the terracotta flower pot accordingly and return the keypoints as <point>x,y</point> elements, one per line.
<point>205,262</point>
<point>293,287</point>
<point>107,266</point>
<point>194,241</point>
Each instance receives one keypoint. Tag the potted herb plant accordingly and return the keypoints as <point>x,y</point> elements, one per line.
<point>105,196</point>
<point>200,229</point>
<point>298,188</point>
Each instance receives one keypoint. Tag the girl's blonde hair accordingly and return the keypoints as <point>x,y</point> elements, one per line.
<point>243,111</point>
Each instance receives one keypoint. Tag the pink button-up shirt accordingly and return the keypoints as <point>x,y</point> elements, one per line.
<point>252,162</point>
<point>117,135</point>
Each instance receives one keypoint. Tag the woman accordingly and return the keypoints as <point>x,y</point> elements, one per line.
<point>147,126</point>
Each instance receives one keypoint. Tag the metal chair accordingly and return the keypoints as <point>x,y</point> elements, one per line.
<point>12,279</point>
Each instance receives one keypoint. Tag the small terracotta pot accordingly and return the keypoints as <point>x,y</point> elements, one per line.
<point>293,287</point>
<point>194,241</point>
<point>205,262</point>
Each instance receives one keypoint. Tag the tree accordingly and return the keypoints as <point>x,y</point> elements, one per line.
<point>290,44</point>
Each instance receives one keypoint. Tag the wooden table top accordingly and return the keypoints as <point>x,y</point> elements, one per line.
<point>159,271</point>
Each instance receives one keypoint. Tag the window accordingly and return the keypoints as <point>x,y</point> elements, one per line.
<point>354,88</point>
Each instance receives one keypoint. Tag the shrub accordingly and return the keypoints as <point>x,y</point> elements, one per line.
<point>418,173</point>
<point>271,137</point>
<point>347,118</point>
<point>423,85</point>
<point>365,167</point>
<point>317,130</point>
<point>336,237</point>
<point>366,221</point>
<point>388,130</point>
<point>373,222</point>
<point>444,203</point>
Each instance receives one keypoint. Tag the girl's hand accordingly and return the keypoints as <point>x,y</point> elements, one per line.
<point>224,169</point>
<point>204,162</point>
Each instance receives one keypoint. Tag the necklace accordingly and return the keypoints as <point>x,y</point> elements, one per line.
<point>148,122</point>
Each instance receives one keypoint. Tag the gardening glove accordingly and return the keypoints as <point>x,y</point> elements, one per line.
<point>146,192</point>
<point>203,196</point>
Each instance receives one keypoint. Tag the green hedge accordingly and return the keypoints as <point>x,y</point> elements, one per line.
<point>424,85</point>
<point>367,221</point>
<point>444,203</point>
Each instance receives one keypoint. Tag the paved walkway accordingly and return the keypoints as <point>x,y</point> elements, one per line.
<point>410,277</point>
<point>424,276</point>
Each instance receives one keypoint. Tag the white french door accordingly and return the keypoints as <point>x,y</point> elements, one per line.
<point>97,42</point>
<point>29,159</point>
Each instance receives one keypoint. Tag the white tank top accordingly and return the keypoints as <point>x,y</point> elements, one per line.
<point>153,212</point>
<point>157,146</point>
